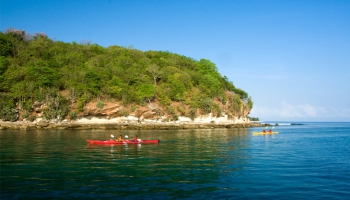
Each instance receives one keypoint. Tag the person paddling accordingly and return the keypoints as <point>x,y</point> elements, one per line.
<point>135,138</point>
<point>120,138</point>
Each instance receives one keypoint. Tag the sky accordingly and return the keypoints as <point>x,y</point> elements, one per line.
<point>292,57</point>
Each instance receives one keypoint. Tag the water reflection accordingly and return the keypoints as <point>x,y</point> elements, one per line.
<point>192,159</point>
<point>192,164</point>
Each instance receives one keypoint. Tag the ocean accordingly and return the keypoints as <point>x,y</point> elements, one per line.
<point>305,160</point>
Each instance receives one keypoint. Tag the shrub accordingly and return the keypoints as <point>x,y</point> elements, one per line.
<point>7,111</point>
<point>205,105</point>
<point>25,114</point>
<point>170,110</point>
<point>72,115</point>
<point>57,107</point>
<point>166,120</point>
<point>164,100</point>
<point>100,104</point>
<point>181,110</point>
<point>27,106</point>
<point>193,113</point>
<point>216,110</point>
<point>31,118</point>
<point>81,102</point>
<point>123,113</point>
<point>133,108</point>
<point>175,118</point>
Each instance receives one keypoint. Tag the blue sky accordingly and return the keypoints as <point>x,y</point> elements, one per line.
<point>292,57</point>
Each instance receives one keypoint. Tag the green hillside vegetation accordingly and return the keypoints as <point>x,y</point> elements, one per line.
<point>35,69</point>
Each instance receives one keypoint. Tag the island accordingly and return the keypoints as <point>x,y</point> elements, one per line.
<point>52,84</point>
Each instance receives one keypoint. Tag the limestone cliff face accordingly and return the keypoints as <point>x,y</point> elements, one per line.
<point>227,112</point>
<point>114,115</point>
<point>154,112</point>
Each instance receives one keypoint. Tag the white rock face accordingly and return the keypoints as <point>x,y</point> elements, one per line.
<point>221,120</point>
<point>132,120</point>
<point>97,120</point>
<point>184,119</point>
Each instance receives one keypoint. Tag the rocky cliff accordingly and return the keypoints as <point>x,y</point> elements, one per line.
<point>114,115</point>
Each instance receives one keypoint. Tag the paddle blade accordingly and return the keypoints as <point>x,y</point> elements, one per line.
<point>112,136</point>
<point>126,136</point>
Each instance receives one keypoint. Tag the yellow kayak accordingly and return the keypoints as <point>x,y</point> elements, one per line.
<point>264,133</point>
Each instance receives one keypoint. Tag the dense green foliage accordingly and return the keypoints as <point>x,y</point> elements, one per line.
<point>254,119</point>
<point>36,68</point>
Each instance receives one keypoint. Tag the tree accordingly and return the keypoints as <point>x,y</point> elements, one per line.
<point>209,85</point>
<point>207,67</point>
<point>115,87</point>
<point>3,67</point>
<point>235,104</point>
<point>154,70</point>
<point>42,74</point>
<point>176,90</point>
<point>144,92</point>
<point>93,82</point>
<point>5,45</point>
<point>250,103</point>
<point>31,66</point>
<point>205,104</point>
<point>228,85</point>
<point>241,93</point>
<point>7,111</point>
<point>18,39</point>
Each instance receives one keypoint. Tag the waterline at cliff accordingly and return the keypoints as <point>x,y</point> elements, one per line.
<point>131,123</point>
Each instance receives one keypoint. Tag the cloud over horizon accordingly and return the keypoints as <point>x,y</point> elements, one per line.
<point>287,111</point>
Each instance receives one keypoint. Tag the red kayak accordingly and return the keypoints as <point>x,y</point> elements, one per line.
<point>124,142</point>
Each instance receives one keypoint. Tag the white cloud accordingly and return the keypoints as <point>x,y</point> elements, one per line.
<point>342,113</point>
<point>299,112</point>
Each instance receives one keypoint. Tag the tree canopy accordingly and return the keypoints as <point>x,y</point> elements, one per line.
<point>33,64</point>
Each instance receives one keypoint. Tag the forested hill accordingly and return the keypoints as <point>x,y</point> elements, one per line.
<point>63,77</point>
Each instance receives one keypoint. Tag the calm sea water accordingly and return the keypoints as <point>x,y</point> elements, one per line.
<point>305,161</point>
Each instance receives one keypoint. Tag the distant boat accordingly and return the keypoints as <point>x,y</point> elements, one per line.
<point>264,133</point>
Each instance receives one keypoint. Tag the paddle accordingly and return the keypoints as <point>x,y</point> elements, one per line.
<point>273,128</point>
<point>264,131</point>
<point>125,136</point>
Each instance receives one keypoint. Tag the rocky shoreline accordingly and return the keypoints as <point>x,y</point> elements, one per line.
<point>25,125</point>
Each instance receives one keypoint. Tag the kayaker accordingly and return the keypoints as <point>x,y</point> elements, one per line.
<point>264,131</point>
<point>120,138</point>
<point>270,131</point>
<point>135,138</point>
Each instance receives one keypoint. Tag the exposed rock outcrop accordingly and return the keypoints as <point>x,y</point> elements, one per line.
<point>129,122</point>
<point>114,115</point>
